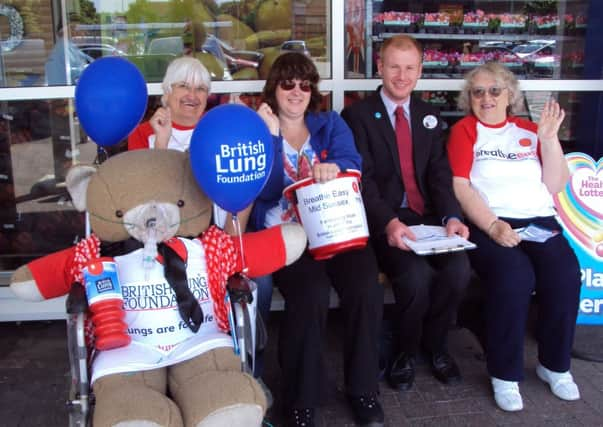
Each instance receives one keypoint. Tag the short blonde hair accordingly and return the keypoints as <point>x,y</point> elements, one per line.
<point>402,42</point>
<point>503,77</point>
<point>185,69</point>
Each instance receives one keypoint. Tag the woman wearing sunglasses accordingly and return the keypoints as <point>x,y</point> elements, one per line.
<point>505,171</point>
<point>309,143</point>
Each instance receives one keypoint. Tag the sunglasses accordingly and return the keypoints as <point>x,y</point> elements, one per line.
<point>304,86</point>
<point>480,92</point>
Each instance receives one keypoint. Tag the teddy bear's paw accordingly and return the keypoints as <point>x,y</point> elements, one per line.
<point>238,415</point>
<point>24,286</point>
<point>295,240</point>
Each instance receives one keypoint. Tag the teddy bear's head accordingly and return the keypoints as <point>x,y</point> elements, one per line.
<point>145,194</point>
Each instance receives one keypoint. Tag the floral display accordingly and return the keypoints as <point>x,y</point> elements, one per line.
<point>476,19</point>
<point>512,20</point>
<point>435,58</point>
<point>437,19</point>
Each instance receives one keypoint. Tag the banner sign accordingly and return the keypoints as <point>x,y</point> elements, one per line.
<point>580,210</point>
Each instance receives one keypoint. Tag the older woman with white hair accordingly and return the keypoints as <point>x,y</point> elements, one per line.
<point>185,87</point>
<point>505,170</point>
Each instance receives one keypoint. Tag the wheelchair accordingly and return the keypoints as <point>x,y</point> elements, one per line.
<point>247,334</point>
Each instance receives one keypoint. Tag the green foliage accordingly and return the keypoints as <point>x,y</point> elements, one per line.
<point>494,24</point>
<point>212,7</point>
<point>541,7</point>
<point>30,17</point>
<point>181,10</point>
<point>141,11</point>
<point>88,14</point>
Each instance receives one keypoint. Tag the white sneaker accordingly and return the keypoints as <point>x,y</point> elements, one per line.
<point>506,395</point>
<point>562,383</point>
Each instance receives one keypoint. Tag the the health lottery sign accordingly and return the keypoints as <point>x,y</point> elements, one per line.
<point>231,155</point>
<point>580,210</point>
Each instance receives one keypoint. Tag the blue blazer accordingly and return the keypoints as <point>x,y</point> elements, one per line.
<point>332,141</point>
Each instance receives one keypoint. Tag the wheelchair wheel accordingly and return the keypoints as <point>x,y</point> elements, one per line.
<point>78,403</point>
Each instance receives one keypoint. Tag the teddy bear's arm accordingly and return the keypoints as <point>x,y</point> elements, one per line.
<point>45,277</point>
<point>269,250</point>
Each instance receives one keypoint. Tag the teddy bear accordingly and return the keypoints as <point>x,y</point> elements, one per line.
<point>179,368</point>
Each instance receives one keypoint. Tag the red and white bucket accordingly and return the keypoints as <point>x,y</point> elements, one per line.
<point>332,213</point>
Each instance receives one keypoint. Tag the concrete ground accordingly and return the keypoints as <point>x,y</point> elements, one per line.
<point>34,381</point>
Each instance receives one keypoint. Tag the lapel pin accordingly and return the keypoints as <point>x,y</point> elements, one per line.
<point>377,115</point>
<point>430,121</point>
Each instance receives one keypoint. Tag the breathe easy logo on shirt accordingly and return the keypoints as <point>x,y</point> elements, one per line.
<point>500,154</point>
<point>509,142</point>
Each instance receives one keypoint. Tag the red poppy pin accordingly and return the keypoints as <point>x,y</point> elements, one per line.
<point>323,155</point>
<point>525,142</point>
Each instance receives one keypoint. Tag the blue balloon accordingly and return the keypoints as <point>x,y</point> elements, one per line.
<point>231,155</point>
<point>110,99</point>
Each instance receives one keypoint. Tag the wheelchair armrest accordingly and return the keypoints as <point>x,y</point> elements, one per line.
<point>77,302</point>
<point>239,288</point>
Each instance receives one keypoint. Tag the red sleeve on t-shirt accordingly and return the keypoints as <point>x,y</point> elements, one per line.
<point>139,138</point>
<point>460,146</point>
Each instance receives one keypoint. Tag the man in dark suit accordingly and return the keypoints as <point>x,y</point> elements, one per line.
<point>393,128</point>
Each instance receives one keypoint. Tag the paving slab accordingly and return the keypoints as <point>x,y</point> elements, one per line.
<point>34,382</point>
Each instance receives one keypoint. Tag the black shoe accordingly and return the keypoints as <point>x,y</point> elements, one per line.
<point>444,368</point>
<point>402,372</point>
<point>367,410</point>
<point>300,417</point>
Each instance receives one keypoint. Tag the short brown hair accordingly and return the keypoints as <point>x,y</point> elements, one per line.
<point>403,42</point>
<point>289,66</point>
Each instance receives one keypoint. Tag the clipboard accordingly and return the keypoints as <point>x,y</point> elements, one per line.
<point>432,240</point>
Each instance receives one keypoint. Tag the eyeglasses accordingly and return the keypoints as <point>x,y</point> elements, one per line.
<point>480,92</point>
<point>184,86</point>
<point>304,86</point>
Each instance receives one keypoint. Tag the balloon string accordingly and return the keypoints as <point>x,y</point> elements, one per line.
<point>237,227</point>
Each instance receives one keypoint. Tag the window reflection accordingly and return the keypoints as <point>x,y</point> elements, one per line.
<point>35,214</point>
<point>235,40</point>
<point>536,40</point>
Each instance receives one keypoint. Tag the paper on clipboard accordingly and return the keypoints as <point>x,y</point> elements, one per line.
<point>432,239</point>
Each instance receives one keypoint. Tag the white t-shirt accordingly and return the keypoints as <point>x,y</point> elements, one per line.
<point>180,139</point>
<point>159,335</point>
<point>503,164</point>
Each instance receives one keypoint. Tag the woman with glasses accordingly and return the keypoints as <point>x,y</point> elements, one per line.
<point>309,143</point>
<point>185,87</point>
<point>505,171</point>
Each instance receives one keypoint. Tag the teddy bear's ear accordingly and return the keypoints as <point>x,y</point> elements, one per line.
<point>77,181</point>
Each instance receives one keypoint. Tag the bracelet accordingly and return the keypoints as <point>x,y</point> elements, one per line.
<point>490,227</point>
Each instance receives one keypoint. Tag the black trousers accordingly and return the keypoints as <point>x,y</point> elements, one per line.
<point>305,286</point>
<point>509,277</point>
<point>427,289</point>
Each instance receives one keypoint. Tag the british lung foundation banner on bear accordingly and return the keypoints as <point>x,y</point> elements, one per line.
<point>580,210</point>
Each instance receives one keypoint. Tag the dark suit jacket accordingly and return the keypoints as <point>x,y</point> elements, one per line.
<point>383,189</point>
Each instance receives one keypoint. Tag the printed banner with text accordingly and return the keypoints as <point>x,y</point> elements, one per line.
<point>580,210</point>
